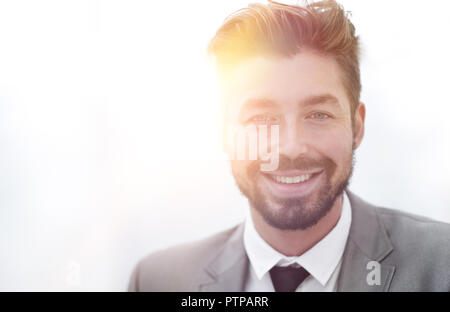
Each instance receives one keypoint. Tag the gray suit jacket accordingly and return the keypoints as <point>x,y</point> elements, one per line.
<point>413,253</point>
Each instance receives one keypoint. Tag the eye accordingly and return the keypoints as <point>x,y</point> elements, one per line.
<point>320,116</point>
<point>263,120</point>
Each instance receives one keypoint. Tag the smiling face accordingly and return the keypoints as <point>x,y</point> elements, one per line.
<point>303,95</point>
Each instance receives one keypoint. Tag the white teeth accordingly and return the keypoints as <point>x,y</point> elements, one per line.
<point>291,180</point>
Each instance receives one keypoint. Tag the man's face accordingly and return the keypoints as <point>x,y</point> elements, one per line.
<point>303,95</point>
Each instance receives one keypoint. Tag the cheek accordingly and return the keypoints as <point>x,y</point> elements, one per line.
<point>335,144</point>
<point>240,167</point>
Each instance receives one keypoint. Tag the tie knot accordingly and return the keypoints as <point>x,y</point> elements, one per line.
<point>287,278</point>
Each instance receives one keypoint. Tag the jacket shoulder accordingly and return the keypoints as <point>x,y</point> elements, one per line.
<point>403,224</point>
<point>421,250</point>
<point>174,268</point>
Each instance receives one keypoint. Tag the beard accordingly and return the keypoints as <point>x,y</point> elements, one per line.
<point>296,213</point>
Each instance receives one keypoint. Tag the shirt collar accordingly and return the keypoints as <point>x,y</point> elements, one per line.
<point>320,260</point>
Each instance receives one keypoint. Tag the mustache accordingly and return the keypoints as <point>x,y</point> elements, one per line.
<point>299,163</point>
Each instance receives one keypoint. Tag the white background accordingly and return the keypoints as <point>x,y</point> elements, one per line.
<point>109,140</point>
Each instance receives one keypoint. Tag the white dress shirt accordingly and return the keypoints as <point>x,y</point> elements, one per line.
<point>322,261</point>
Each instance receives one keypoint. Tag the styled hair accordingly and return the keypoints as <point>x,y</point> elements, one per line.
<point>284,30</point>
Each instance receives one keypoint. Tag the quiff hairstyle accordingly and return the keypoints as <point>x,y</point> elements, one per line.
<point>277,29</point>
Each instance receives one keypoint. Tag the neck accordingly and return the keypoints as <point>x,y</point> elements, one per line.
<point>296,242</point>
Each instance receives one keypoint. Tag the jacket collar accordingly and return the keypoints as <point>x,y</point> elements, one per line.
<point>228,270</point>
<point>368,241</point>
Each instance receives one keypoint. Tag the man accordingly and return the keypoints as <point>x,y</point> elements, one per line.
<point>297,69</point>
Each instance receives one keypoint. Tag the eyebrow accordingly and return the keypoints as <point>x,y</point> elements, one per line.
<point>256,103</point>
<point>320,99</point>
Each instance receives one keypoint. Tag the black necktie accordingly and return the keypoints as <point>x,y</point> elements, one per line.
<point>287,278</point>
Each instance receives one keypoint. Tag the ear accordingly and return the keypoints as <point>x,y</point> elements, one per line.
<point>358,125</point>
<point>226,139</point>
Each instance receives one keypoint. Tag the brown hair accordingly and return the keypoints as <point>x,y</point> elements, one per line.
<point>284,30</point>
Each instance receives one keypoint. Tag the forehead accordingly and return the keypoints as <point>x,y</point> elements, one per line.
<point>283,80</point>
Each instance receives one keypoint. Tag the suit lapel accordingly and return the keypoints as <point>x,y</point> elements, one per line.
<point>228,270</point>
<point>367,241</point>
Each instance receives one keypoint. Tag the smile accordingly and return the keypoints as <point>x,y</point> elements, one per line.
<point>292,180</point>
<point>292,183</point>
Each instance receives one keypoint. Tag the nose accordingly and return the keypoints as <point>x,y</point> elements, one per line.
<point>292,141</point>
